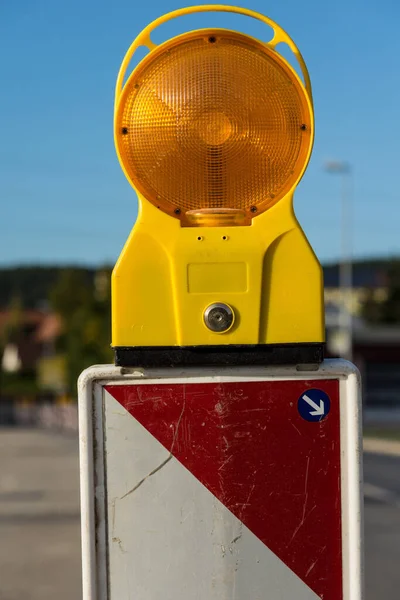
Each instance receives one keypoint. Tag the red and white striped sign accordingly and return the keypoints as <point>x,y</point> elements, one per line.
<point>216,486</point>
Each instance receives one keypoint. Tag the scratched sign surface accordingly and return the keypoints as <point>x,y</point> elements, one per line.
<point>224,490</point>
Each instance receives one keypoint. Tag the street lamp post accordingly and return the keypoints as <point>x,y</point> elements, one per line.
<point>345,268</point>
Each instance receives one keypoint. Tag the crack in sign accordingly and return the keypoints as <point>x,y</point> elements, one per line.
<point>117,540</point>
<point>153,472</point>
<point>179,420</point>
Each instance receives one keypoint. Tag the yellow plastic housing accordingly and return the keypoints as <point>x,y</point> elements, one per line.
<point>216,221</point>
<point>213,120</point>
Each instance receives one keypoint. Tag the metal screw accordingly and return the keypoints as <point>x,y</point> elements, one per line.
<point>303,127</point>
<point>253,209</point>
<point>219,317</point>
<point>125,131</point>
<point>212,39</point>
<point>177,211</point>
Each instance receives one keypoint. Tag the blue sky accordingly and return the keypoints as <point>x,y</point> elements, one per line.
<point>63,195</point>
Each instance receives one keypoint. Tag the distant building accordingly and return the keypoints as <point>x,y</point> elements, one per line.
<point>368,278</point>
<point>18,329</point>
<point>11,360</point>
<point>28,337</point>
<point>376,348</point>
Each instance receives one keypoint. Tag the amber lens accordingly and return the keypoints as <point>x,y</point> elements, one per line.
<point>213,120</point>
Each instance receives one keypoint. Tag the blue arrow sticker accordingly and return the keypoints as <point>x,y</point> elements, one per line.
<point>314,405</point>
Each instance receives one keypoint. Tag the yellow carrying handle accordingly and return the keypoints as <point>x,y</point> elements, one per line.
<point>144,39</point>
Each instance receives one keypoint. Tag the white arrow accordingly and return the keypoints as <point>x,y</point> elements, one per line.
<point>318,410</point>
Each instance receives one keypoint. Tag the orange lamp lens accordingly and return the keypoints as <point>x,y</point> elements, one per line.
<point>213,121</point>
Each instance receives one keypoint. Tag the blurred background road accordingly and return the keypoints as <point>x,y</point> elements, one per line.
<point>39,518</point>
<point>382,526</point>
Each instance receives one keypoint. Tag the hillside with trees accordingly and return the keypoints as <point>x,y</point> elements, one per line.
<point>32,285</point>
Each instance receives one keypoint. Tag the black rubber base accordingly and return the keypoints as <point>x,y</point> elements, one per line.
<point>226,356</point>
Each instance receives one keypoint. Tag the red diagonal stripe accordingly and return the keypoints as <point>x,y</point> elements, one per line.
<point>247,443</point>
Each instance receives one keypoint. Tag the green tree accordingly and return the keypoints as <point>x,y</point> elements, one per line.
<point>85,312</point>
<point>72,291</point>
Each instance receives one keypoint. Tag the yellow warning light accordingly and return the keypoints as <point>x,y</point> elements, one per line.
<point>214,130</point>
<point>214,127</point>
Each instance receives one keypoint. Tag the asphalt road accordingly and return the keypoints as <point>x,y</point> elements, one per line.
<point>39,519</point>
<point>39,516</point>
<point>382,526</point>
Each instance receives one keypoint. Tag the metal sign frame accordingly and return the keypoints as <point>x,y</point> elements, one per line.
<point>94,478</point>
